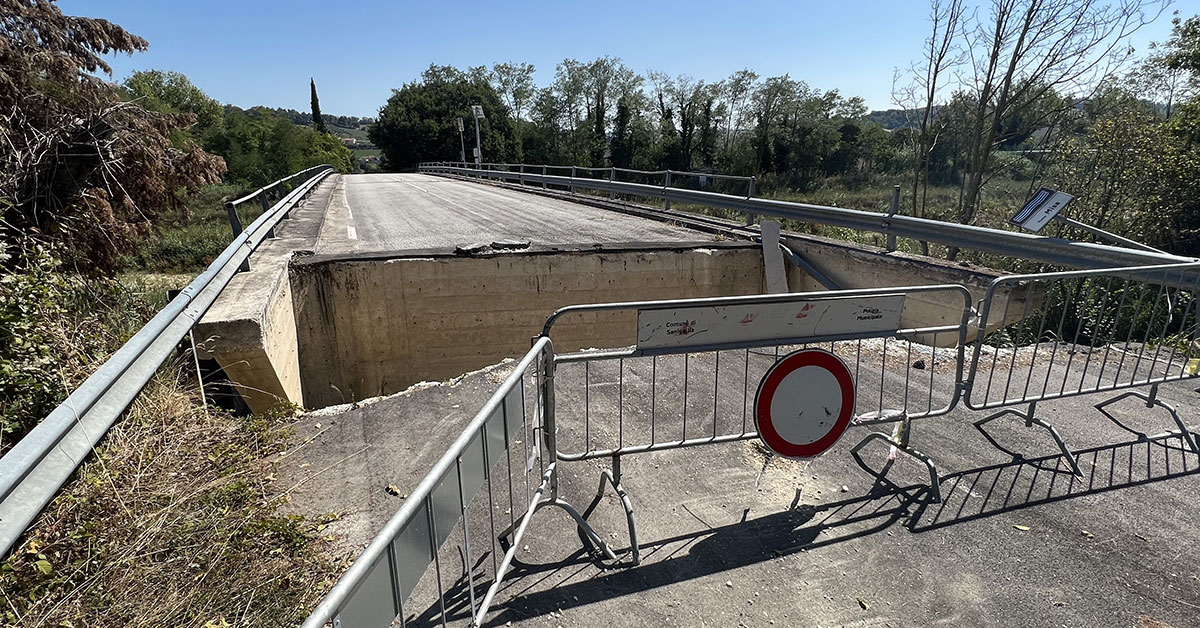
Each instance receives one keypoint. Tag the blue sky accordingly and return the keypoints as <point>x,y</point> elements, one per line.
<point>255,52</point>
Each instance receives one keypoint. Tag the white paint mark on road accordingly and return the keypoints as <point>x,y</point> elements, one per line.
<point>349,214</point>
<point>351,233</point>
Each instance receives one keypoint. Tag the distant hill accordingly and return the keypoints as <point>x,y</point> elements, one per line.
<point>335,123</point>
<point>895,118</point>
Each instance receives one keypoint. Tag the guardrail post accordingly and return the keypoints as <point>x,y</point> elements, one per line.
<point>667,184</point>
<point>750,216</point>
<point>521,174</point>
<point>543,177</point>
<point>572,179</point>
<point>266,205</point>
<point>612,176</point>
<point>891,239</point>
<point>235,223</point>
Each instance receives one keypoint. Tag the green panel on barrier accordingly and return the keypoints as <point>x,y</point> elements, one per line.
<point>472,468</point>
<point>494,436</point>
<point>411,549</point>
<point>514,411</point>
<point>371,605</point>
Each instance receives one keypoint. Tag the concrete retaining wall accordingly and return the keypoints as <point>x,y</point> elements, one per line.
<point>376,326</point>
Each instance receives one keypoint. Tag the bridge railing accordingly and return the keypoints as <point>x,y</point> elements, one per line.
<point>1027,246</point>
<point>37,466</point>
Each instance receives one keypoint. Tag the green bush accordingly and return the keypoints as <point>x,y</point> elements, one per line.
<point>57,327</point>
<point>31,297</point>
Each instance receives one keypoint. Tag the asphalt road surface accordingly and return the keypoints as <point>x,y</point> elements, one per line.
<point>396,212</point>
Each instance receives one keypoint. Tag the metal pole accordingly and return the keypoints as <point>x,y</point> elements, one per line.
<point>543,179</point>
<point>266,205</point>
<point>750,216</point>
<point>462,153</point>
<point>235,223</point>
<point>478,145</point>
<point>612,176</point>
<point>667,184</point>
<point>891,239</point>
<point>572,179</point>
<point>1100,233</point>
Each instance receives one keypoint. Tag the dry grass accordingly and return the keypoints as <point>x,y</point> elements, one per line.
<point>173,522</point>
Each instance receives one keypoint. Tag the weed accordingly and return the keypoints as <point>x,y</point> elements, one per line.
<point>173,522</point>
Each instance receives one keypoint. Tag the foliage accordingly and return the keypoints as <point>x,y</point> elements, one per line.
<point>55,328</point>
<point>260,147</point>
<point>419,121</point>
<point>187,242</point>
<point>172,92</point>
<point>30,385</point>
<point>83,167</point>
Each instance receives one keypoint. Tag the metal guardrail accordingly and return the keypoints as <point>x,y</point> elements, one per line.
<point>33,471</point>
<point>1057,251</point>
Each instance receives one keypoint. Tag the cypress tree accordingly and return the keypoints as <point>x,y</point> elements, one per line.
<point>318,121</point>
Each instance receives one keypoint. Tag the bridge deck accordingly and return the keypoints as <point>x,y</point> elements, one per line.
<point>391,212</point>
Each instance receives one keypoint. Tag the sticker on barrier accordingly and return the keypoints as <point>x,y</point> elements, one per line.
<point>804,403</point>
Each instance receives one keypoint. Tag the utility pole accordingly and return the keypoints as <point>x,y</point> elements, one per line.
<point>477,110</point>
<point>462,153</point>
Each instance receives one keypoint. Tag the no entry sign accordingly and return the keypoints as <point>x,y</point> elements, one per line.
<point>804,403</point>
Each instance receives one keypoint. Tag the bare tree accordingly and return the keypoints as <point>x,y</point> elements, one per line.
<point>1021,51</point>
<point>514,81</point>
<point>923,94</point>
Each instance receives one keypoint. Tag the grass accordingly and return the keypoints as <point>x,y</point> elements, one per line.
<point>189,241</point>
<point>174,521</point>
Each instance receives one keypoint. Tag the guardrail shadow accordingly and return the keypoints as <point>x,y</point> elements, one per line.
<point>967,496</point>
<point>1026,482</point>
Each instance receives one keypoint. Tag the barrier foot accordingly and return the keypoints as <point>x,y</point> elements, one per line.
<point>898,440</point>
<point>1030,421</point>
<point>1151,401</point>
<point>609,477</point>
<point>591,541</point>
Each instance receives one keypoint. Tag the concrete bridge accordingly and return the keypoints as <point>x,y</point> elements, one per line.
<point>382,281</point>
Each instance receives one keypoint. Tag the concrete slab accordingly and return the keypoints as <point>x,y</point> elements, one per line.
<point>395,212</point>
<point>1019,541</point>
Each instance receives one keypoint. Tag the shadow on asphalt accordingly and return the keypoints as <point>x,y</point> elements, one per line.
<point>968,496</point>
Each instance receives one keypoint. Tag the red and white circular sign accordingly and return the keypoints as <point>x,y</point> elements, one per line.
<point>804,403</point>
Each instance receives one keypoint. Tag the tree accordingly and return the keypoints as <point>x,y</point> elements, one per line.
<point>514,82</point>
<point>622,145</point>
<point>419,121</point>
<point>318,121</point>
<point>83,166</point>
<point>172,92</point>
<point>921,97</point>
<point>1020,52</point>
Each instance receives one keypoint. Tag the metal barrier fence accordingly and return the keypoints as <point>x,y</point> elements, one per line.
<point>465,517</point>
<point>687,381</point>
<point>696,383</point>
<point>1086,332</point>
<point>33,471</point>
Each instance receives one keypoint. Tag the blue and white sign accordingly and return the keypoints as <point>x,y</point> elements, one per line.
<point>1041,209</point>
